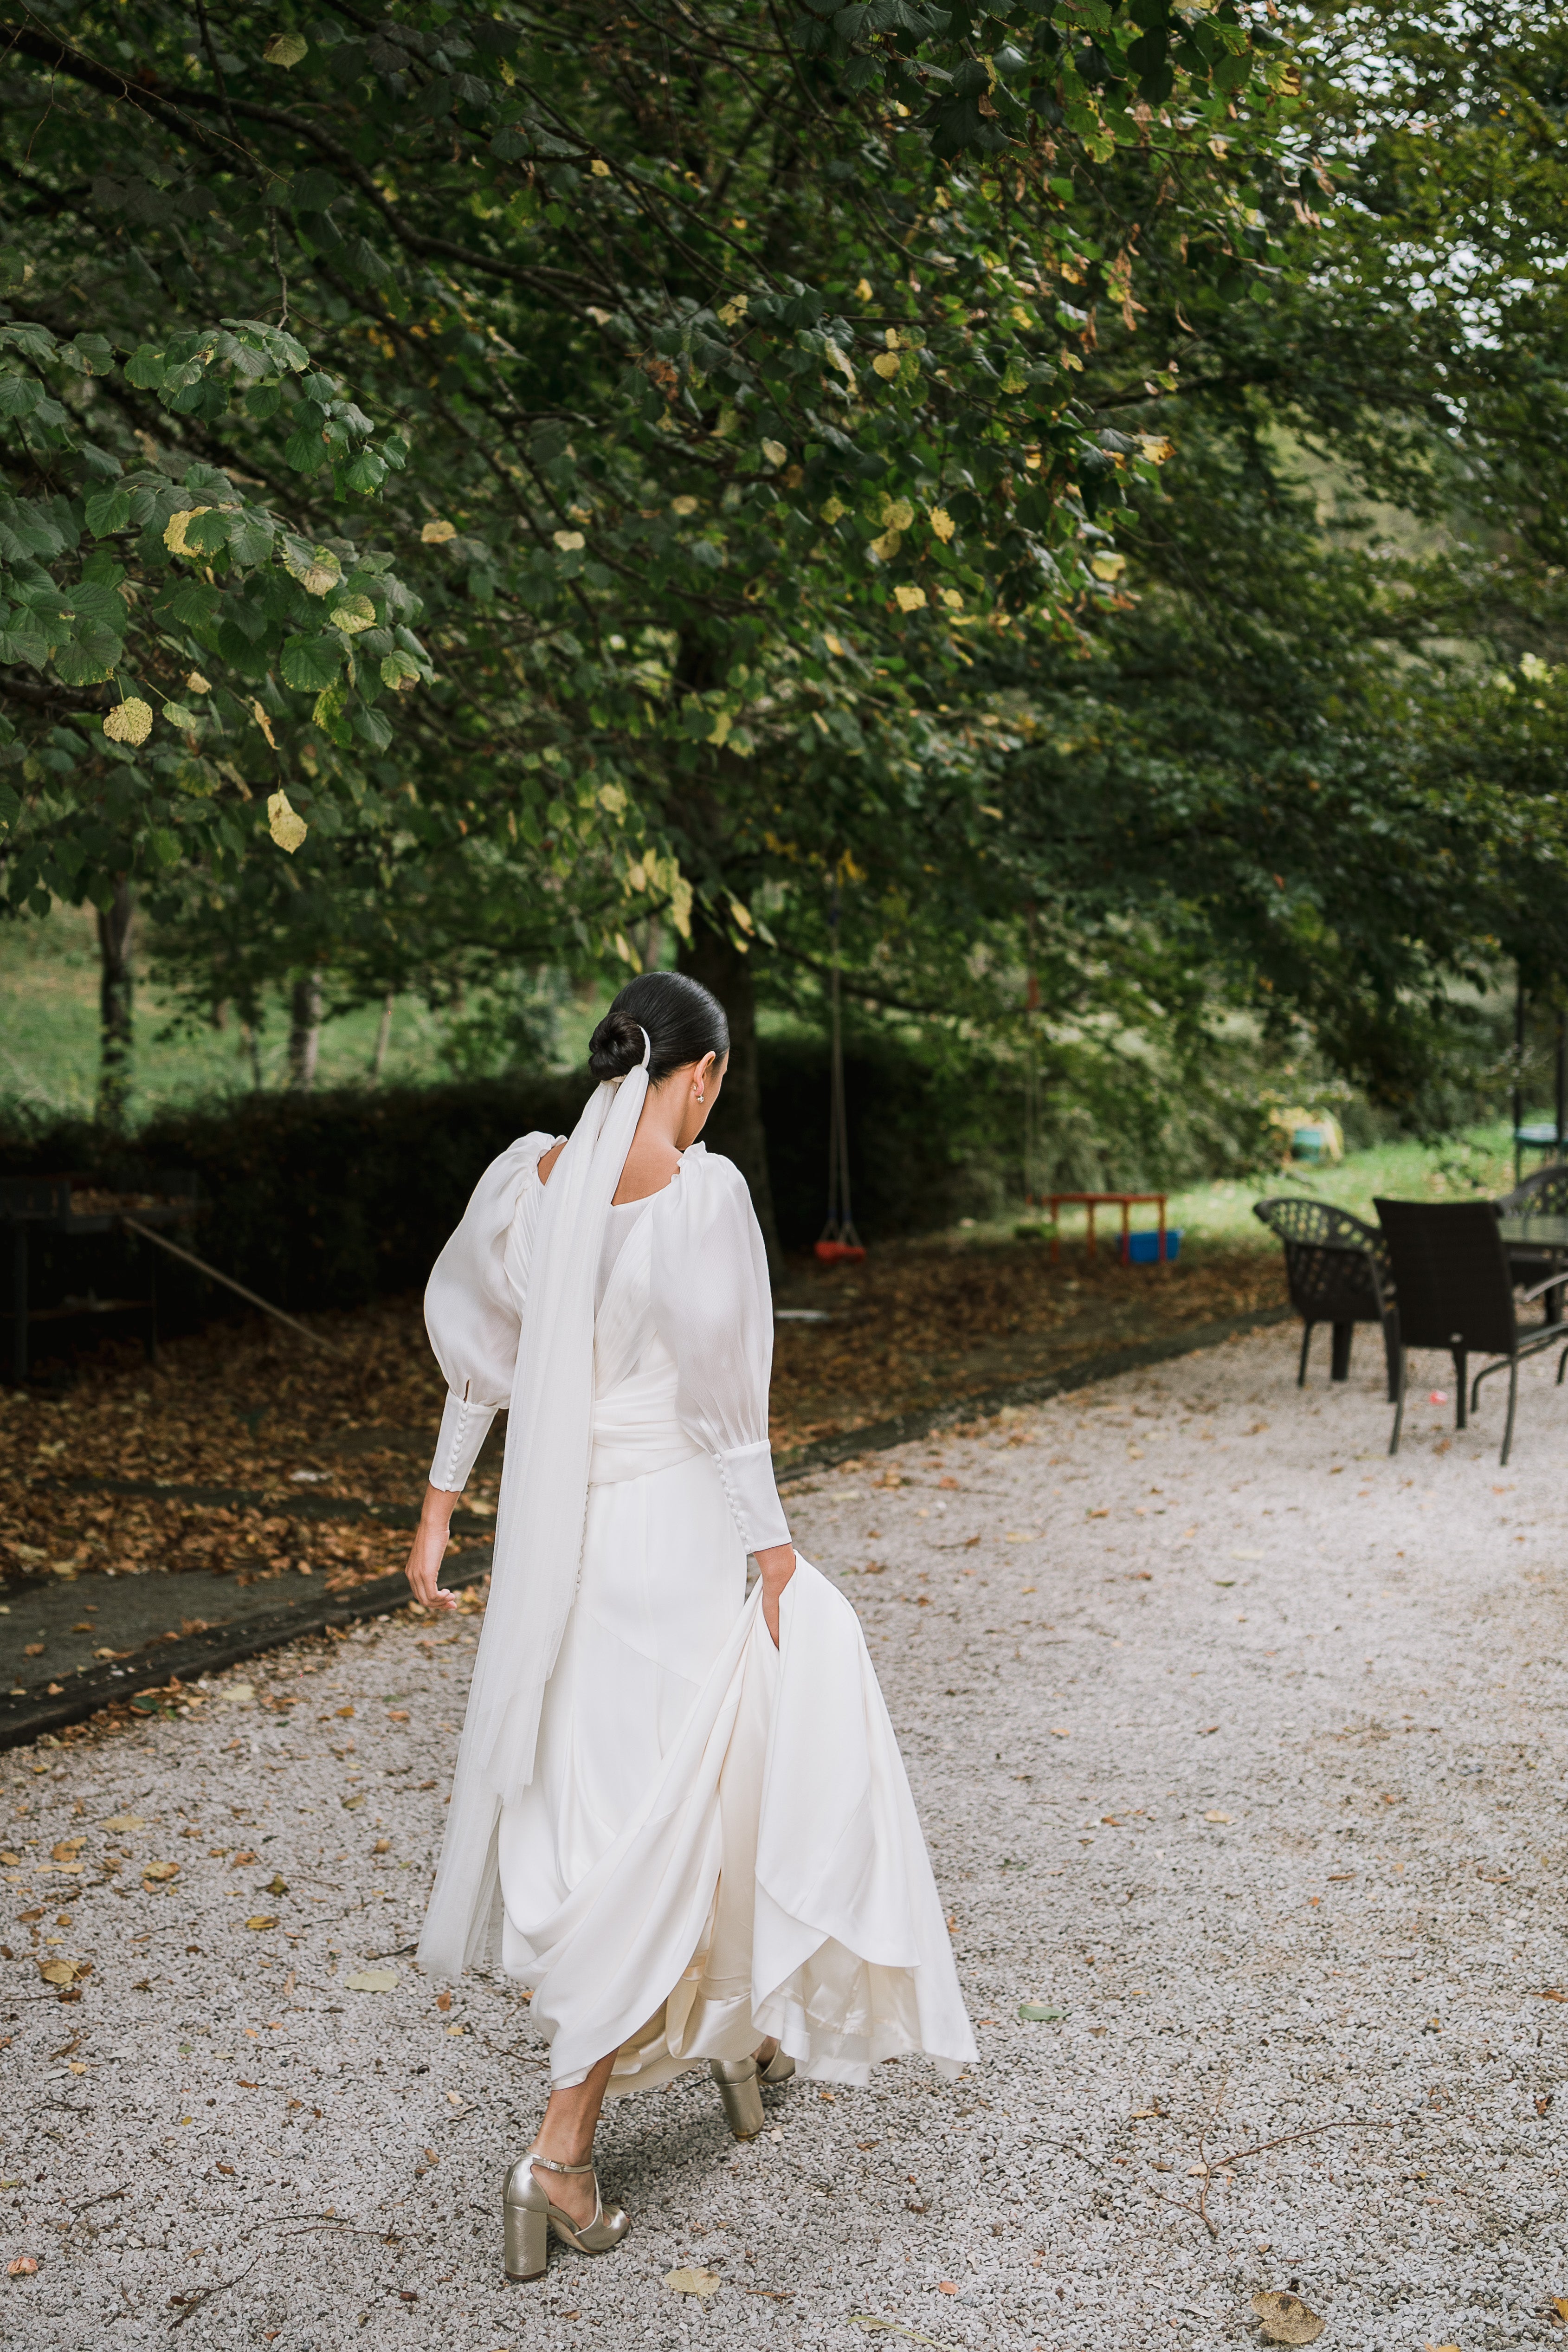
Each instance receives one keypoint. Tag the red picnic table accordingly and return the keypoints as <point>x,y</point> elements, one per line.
<point>1090,1202</point>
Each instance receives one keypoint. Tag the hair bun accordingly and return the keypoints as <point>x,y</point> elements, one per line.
<point>615,1047</point>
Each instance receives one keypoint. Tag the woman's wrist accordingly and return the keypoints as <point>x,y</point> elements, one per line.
<point>776,1566</point>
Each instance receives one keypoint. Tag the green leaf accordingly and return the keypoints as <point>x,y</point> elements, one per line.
<point>305,452</point>
<point>93,601</point>
<point>19,395</point>
<point>146,369</point>
<point>108,510</point>
<point>209,531</point>
<point>263,400</point>
<point>93,655</point>
<point>251,537</point>
<point>312,662</point>
<point>164,845</point>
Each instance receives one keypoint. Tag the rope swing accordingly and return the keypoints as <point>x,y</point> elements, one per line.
<point>838,1245</point>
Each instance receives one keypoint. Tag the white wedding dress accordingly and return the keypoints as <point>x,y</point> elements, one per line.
<point>710,1840</point>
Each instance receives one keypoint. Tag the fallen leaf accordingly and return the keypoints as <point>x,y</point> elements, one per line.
<point>23,2267</point>
<point>371,1980</point>
<point>1560,2306</point>
<point>57,1972</point>
<point>157,1872</point>
<point>1551,1993</point>
<point>276,1884</point>
<point>1287,2320</point>
<point>66,1850</point>
<point>1217,1817</point>
<point>261,1920</point>
<point>689,2281</point>
<point>1034,2012</point>
<point>947,2286</point>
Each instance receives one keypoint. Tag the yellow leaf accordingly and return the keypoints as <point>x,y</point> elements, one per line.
<point>943,524</point>
<point>681,906</point>
<point>833,644</point>
<point>887,546</point>
<point>57,1972</point>
<point>1107,567</point>
<point>612,797</point>
<point>909,599</point>
<point>263,722</point>
<point>1287,2320</point>
<point>599,168</point>
<point>865,291</point>
<point>355,612</point>
<point>838,359</point>
<point>734,309</point>
<point>285,49</point>
<point>690,2282</point>
<point>834,511</point>
<point>437,534</point>
<point>683,506</point>
<point>890,338</point>
<point>195,683</point>
<point>897,514</point>
<point>120,1823</point>
<point>775,452</point>
<point>568,542</point>
<point>316,569</point>
<point>721,727</point>
<point>261,1920</point>
<point>285,826</point>
<point>174,529</point>
<point>742,914</point>
<point>130,721</point>
<point>371,1980</point>
<point>1217,1817</point>
<point>887,364</point>
<point>952,599</point>
<point>161,1870</point>
<point>1156,448</point>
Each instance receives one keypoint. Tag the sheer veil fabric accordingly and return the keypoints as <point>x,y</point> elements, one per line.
<point>539,1523</point>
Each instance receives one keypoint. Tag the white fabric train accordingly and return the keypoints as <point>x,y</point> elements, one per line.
<point>715,1839</point>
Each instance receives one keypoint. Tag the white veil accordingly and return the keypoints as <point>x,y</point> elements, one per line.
<point>539,1522</point>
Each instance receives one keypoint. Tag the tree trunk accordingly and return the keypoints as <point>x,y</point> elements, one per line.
<point>384,1038</point>
<point>305,1033</point>
<point>115,981</point>
<point>735,1128</point>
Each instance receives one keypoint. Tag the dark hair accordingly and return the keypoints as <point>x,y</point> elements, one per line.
<point>682,1019</point>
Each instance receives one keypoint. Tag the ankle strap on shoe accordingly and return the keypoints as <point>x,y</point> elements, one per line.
<point>548,2164</point>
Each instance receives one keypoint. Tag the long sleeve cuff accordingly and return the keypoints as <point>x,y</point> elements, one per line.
<point>464,1429</point>
<point>749,1485</point>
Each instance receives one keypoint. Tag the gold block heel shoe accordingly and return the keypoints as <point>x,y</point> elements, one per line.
<point>781,2068</point>
<point>529,2216</point>
<point>740,2089</point>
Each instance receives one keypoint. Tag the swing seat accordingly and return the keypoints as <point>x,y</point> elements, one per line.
<point>839,1253</point>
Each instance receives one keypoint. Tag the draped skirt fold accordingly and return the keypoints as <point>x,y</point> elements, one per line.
<point>719,1841</point>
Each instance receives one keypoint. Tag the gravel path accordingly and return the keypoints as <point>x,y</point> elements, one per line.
<point>1240,1747</point>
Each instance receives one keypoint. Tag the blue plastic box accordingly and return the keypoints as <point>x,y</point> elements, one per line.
<point>1143,1249</point>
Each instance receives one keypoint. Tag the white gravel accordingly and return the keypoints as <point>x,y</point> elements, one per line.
<point>1237,1743</point>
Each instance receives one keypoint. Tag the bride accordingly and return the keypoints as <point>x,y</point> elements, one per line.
<point>679,1813</point>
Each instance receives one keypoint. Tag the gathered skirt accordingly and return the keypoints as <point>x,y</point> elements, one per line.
<point>718,1842</point>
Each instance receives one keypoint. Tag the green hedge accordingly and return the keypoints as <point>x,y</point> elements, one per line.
<point>330,1199</point>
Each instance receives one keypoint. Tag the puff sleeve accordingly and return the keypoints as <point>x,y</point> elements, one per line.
<point>473,1304</point>
<point>713,1311</point>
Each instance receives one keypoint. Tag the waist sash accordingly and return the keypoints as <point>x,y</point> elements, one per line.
<point>636,1430</point>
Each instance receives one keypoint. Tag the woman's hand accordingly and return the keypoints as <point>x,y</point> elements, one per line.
<point>429,1549</point>
<point>777,1566</point>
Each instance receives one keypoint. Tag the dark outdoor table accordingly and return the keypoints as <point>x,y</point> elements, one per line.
<point>1538,1237</point>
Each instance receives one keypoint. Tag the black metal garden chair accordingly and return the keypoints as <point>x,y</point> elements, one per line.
<point>1338,1272</point>
<point>1456,1292</point>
